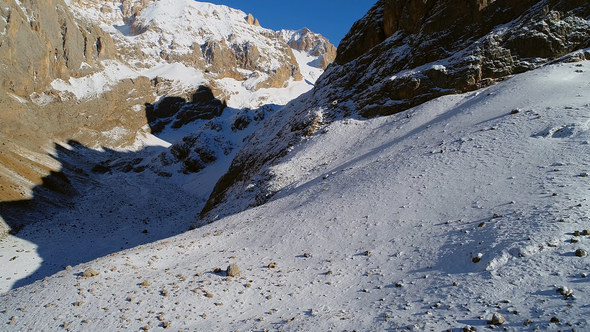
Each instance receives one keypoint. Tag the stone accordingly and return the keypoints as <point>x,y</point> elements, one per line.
<point>250,19</point>
<point>89,273</point>
<point>566,292</point>
<point>581,253</point>
<point>497,319</point>
<point>233,270</point>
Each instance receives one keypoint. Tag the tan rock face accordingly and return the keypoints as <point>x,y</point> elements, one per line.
<point>249,47</point>
<point>43,42</point>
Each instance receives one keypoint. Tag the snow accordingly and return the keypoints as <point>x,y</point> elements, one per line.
<point>185,76</point>
<point>375,229</point>
<point>96,84</point>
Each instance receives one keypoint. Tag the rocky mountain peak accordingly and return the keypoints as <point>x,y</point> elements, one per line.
<point>305,40</point>
<point>252,21</point>
<point>218,40</point>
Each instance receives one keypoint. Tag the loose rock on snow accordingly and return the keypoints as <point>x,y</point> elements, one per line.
<point>497,319</point>
<point>233,270</point>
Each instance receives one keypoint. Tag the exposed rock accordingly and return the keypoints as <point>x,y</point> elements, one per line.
<point>450,48</point>
<point>252,21</point>
<point>233,270</point>
<point>89,273</point>
<point>148,40</point>
<point>497,319</point>
<point>566,292</point>
<point>581,253</point>
<point>42,41</point>
<point>314,44</point>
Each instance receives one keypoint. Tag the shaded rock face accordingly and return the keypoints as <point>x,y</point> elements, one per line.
<point>179,111</point>
<point>401,54</point>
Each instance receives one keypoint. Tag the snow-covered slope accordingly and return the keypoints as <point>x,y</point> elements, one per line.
<point>433,49</point>
<point>428,220</point>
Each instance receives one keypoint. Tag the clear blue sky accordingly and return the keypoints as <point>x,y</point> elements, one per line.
<point>330,18</point>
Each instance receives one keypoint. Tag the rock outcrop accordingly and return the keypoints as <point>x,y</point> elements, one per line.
<point>305,40</point>
<point>401,54</point>
<point>40,42</point>
<point>252,21</point>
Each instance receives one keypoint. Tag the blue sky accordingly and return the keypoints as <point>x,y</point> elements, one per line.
<point>332,19</point>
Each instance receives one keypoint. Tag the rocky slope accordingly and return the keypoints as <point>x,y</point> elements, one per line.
<point>399,55</point>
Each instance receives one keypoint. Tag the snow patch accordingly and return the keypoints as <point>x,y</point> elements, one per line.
<point>94,85</point>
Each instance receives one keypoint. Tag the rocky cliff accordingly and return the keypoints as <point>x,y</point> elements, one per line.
<point>221,41</point>
<point>401,54</point>
<point>41,41</point>
<point>413,52</point>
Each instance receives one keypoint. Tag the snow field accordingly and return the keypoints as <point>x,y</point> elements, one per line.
<point>377,230</point>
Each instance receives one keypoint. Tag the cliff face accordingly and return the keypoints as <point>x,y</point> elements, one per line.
<point>41,41</point>
<point>401,54</point>
<point>223,42</point>
<point>305,40</point>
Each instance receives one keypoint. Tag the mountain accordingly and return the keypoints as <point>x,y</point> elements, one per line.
<point>396,57</point>
<point>435,218</point>
<point>111,75</point>
<point>434,178</point>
